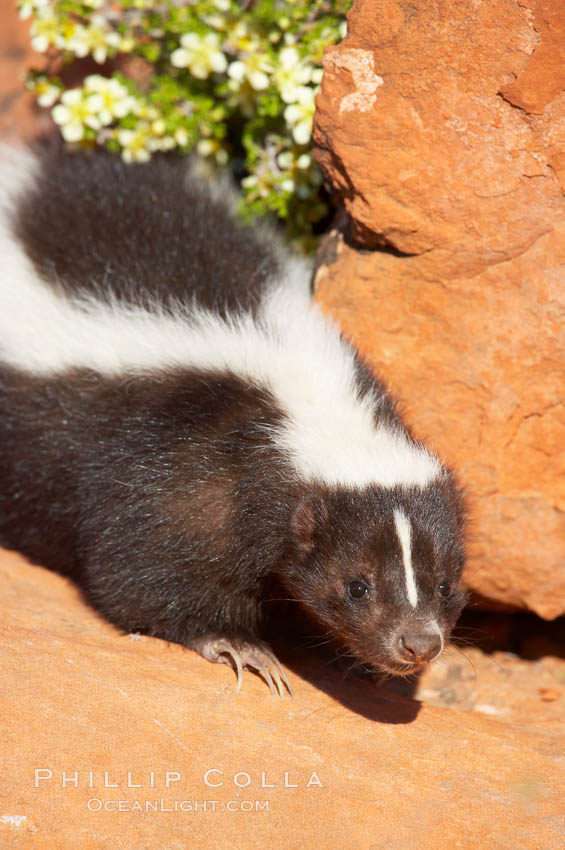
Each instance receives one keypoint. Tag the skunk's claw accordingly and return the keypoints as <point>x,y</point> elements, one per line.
<point>250,656</point>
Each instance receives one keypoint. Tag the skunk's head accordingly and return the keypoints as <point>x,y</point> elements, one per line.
<point>380,569</point>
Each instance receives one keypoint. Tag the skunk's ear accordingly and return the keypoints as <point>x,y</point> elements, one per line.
<point>309,517</point>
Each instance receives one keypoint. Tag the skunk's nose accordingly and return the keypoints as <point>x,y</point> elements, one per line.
<point>418,647</point>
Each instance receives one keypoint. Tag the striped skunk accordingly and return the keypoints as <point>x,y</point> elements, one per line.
<point>180,426</point>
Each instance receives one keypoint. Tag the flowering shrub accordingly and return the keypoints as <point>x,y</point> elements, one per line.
<point>234,79</point>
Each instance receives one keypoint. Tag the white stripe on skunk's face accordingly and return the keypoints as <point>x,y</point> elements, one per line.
<point>331,431</point>
<point>404,531</point>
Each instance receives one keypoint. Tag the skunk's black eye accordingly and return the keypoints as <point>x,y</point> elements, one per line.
<point>444,589</point>
<point>357,589</point>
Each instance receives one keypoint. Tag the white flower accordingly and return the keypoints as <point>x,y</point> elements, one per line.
<point>240,40</point>
<point>285,160</point>
<point>145,110</point>
<point>95,39</point>
<point>28,6</point>
<point>298,173</point>
<point>159,142</point>
<point>201,56</point>
<point>168,143</point>
<point>250,181</point>
<point>222,5</point>
<point>73,114</point>
<point>259,185</point>
<point>45,92</point>
<point>125,44</point>
<point>291,73</point>
<point>135,144</point>
<point>25,10</point>
<point>109,98</point>
<point>255,67</point>
<point>304,161</point>
<point>44,29</point>
<point>217,22</point>
<point>181,136</point>
<point>299,115</point>
<point>317,74</point>
<point>212,147</point>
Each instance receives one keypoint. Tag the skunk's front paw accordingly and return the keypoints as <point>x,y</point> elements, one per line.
<point>243,654</point>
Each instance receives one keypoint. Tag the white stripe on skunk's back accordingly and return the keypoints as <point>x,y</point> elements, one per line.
<point>331,434</point>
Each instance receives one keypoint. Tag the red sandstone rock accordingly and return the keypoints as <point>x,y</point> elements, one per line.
<point>417,130</point>
<point>543,77</point>
<point>20,117</point>
<point>78,700</point>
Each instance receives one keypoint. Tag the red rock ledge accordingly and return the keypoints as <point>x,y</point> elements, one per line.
<point>91,718</point>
